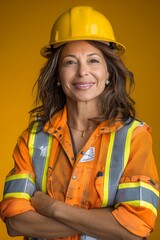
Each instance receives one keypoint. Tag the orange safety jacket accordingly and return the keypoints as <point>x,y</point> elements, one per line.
<point>115,168</point>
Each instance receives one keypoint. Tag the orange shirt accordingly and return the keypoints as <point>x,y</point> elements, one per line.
<point>74,179</point>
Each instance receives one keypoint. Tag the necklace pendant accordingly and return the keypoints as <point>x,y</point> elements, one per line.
<point>83,133</point>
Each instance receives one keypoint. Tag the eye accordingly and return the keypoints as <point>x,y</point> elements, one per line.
<point>69,62</point>
<point>94,60</point>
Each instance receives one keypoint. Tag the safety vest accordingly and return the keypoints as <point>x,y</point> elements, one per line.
<point>117,157</point>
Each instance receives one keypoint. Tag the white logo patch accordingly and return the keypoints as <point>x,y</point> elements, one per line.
<point>88,155</point>
<point>43,151</point>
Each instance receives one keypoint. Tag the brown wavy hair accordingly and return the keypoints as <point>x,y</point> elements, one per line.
<point>115,101</point>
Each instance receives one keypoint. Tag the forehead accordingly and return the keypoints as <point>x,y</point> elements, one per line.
<point>79,47</point>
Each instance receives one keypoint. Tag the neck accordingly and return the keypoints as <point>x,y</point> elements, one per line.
<point>79,113</point>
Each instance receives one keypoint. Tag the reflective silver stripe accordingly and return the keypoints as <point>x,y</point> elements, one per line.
<point>20,186</point>
<point>117,162</point>
<point>39,156</point>
<point>137,193</point>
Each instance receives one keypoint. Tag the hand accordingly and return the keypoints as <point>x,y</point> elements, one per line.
<point>43,203</point>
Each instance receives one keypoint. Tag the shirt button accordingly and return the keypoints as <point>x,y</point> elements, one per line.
<point>74,177</point>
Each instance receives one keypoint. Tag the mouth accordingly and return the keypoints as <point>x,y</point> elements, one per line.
<point>83,86</point>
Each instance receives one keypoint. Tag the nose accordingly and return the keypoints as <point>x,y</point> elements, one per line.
<point>82,70</point>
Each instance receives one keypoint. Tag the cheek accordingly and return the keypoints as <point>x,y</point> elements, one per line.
<point>106,73</point>
<point>62,76</point>
<point>65,76</point>
<point>103,76</point>
<point>103,71</point>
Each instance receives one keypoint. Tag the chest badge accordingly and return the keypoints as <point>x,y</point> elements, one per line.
<point>88,155</point>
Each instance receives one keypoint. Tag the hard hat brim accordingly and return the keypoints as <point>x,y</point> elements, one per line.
<point>46,50</point>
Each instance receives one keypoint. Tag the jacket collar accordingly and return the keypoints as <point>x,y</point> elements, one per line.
<point>59,122</point>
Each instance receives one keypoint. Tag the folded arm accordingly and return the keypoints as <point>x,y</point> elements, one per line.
<point>98,223</point>
<point>33,224</point>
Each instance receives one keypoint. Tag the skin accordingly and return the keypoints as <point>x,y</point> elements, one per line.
<point>82,74</point>
<point>55,219</point>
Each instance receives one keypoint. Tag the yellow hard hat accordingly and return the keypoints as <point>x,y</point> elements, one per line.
<point>81,23</point>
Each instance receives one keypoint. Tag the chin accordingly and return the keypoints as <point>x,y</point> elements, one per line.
<point>87,99</point>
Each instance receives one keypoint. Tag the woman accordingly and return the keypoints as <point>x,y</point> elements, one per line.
<point>84,169</point>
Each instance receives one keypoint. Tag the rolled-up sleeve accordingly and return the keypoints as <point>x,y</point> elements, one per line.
<point>137,197</point>
<point>20,182</point>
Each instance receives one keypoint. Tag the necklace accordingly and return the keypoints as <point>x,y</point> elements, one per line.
<point>83,132</point>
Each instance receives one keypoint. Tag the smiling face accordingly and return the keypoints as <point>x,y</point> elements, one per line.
<point>82,71</point>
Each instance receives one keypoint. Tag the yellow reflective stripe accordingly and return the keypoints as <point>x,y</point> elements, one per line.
<point>31,140</point>
<point>128,141</point>
<point>19,176</point>
<point>44,178</point>
<point>137,184</point>
<point>140,203</point>
<point>107,167</point>
<point>17,195</point>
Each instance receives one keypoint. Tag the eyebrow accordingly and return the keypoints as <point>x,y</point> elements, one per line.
<point>88,55</point>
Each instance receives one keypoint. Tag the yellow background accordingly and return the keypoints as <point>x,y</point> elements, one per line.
<point>25,28</point>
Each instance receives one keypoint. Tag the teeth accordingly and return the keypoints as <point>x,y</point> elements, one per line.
<point>83,85</point>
